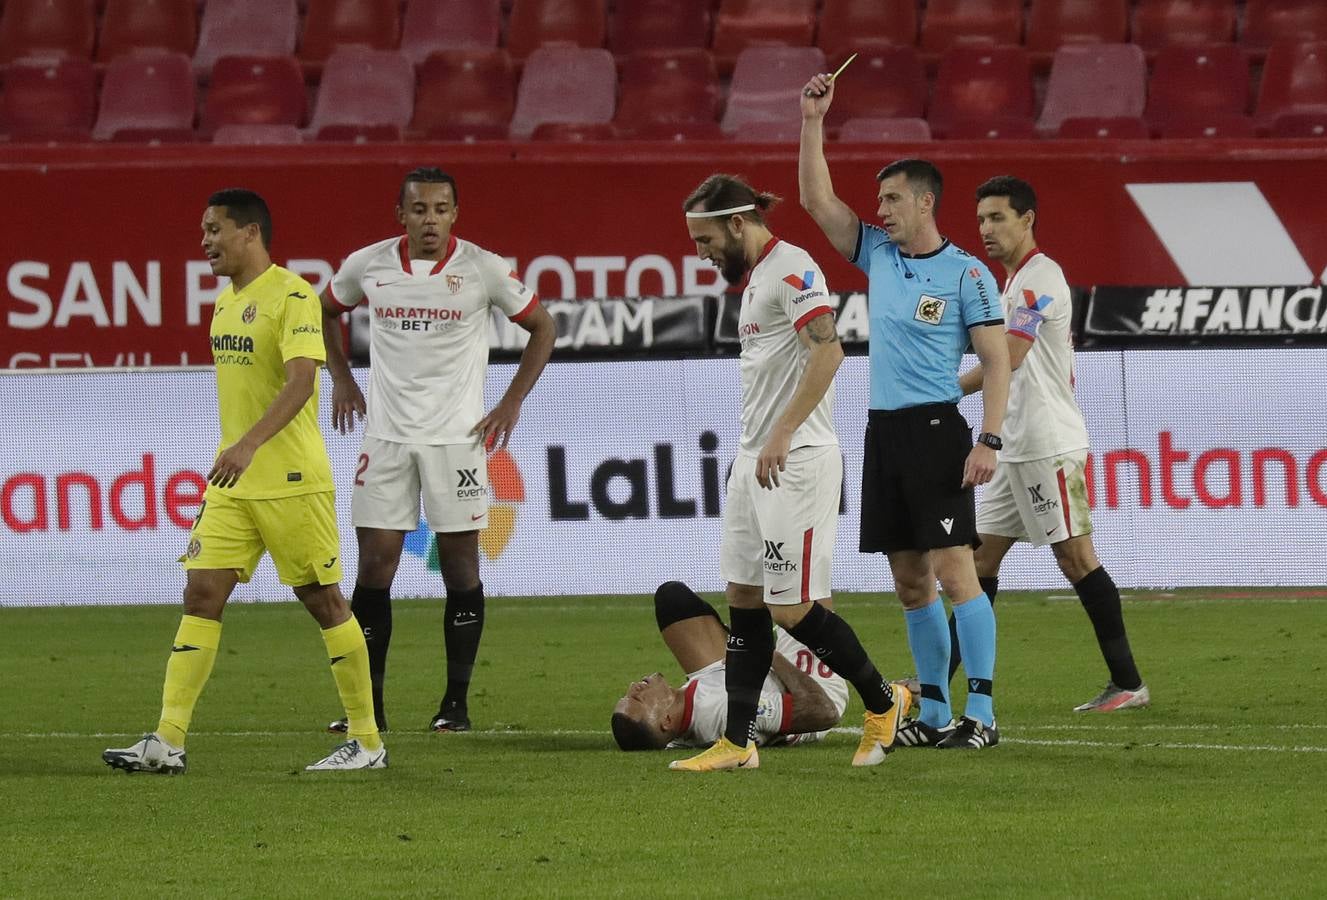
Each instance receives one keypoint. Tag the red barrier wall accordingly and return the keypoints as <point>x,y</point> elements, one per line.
<point>102,266</point>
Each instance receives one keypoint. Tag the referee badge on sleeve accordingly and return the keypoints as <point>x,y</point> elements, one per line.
<point>930,310</point>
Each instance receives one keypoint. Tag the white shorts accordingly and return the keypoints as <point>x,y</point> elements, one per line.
<point>783,538</point>
<point>1042,501</point>
<point>390,479</point>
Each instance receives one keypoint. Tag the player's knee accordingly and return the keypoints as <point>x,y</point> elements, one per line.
<point>674,601</point>
<point>376,568</point>
<point>202,601</point>
<point>1076,557</point>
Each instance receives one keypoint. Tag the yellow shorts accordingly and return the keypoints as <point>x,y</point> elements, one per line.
<point>300,533</point>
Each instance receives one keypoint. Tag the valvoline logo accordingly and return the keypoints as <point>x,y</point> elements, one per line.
<point>506,491</point>
<point>1035,302</point>
<point>802,283</point>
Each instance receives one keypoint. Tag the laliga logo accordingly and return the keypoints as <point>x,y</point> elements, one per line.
<point>506,491</point>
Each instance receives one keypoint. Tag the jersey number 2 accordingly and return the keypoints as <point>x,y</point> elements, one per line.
<point>363,465</point>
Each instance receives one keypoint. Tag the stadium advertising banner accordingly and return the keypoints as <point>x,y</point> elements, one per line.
<point>1206,470</point>
<point>131,288</point>
<point>1206,313</point>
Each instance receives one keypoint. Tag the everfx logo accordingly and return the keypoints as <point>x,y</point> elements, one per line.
<point>467,478</point>
<point>1035,491</point>
<point>774,559</point>
<point>774,551</point>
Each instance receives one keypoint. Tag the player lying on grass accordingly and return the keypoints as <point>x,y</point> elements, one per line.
<point>800,700</point>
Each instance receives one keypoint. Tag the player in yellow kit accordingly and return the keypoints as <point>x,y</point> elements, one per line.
<point>269,490</point>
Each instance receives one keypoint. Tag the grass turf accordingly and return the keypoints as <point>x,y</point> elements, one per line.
<point>1215,791</point>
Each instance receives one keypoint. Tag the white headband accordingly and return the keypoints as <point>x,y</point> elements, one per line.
<point>721,212</point>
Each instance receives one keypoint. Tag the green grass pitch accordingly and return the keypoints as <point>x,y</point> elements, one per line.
<point>1217,790</point>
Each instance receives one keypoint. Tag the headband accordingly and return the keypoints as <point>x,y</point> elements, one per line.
<point>721,212</point>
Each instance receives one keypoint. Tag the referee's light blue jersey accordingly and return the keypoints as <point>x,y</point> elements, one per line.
<point>921,310</point>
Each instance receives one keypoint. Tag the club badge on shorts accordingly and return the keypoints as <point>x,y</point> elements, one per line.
<point>930,310</point>
<point>195,548</point>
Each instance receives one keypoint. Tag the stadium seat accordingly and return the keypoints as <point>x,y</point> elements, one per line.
<point>359,134</point>
<point>131,25</point>
<point>364,93</point>
<point>464,95</point>
<point>1103,80</point>
<point>981,83</point>
<point>767,83</point>
<point>436,25</point>
<point>49,100</point>
<point>992,128</point>
<point>675,131</point>
<point>1097,128</point>
<point>667,86</point>
<point>1268,21</point>
<point>1189,79</point>
<point>564,84</point>
<point>1294,79</point>
<point>1054,23</point>
<point>751,23</point>
<point>245,28</point>
<point>537,23</point>
<point>950,22</point>
<point>334,23</point>
<point>146,93</point>
<point>47,28</point>
<point>770,132</point>
<point>659,25</point>
<point>574,132</point>
<point>1300,125</point>
<point>888,83</point>
<point>255,90</point>
<point>850,26</point>
<point>1158,23</point>
<point>1208,125</point>
<point>257,134</point>
<point>877,131</point>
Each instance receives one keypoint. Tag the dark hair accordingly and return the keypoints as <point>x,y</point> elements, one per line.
<point>727,191</point>
<point>922,176</point>
<point>1020,193</point>
<point>427,175</point>
<point>244,207</point>
<point>633,735</point>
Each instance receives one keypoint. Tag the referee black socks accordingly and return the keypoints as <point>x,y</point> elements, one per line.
<point>836,644</point>
<point>461,631</point>
<point>372,608</point>
<point>747,662</point>
<point>1101,601</point>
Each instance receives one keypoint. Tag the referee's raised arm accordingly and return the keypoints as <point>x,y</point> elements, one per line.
<point>835,218</point>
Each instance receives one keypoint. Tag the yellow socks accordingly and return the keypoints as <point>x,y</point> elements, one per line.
<point>191,658</point>
<point>350,668</point>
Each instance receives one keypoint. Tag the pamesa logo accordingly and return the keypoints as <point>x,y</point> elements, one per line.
<point>506,493</point>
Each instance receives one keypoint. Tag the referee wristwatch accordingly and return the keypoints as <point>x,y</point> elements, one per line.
<point>990,440</point>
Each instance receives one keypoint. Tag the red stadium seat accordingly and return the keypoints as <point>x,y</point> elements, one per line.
<point>663,86</point>
<point>675,131</point>
<point>564,84</point>
<point>752,23</point>
<point>950,22</point>
<point>359,134</point>
<point>877,131</point>
<point>245,28</point>
<point>146,94</point>
<point>49,100</point>
<point>47,28</point>
<point>888,83</point>
<point>1300,125</point>
<point>574,132</point>
<point>767,84</point>
<point>1103,80</point>
<point>537,23</point>
<point>438,25</point>
<point>131,25</point>
<point>364,93</point>
<point>335,23</point>
<point>255,90</point>
<point>1054,23</point>
<point>659,25</point>
<point>1294,79</point>
<point>1158,23</point>
<point>849,26</point>
<point>155,136</point>
<point>1208,125</point>
<point>464,95</point>
<point>1189,79</point>
<point>1268,21</point>
<point>257,134</point>
<point>981,83</point>
<point>770,132</point>
<point>1103,129</point>
<point>994,128</point>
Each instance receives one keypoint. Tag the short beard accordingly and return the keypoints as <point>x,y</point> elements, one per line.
<point>733,268</point>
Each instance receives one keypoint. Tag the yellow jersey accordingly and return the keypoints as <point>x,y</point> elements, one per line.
<point>275,318</point>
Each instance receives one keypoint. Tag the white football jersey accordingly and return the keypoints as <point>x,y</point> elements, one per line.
<point>429,335</point>
<point>706,712</point>
<point>1042,418</point>
<point>785,290</point>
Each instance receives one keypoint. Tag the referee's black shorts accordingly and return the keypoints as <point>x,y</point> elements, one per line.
<point>912,480</point>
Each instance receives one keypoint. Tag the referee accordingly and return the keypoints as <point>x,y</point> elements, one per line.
<point>927,300</point>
